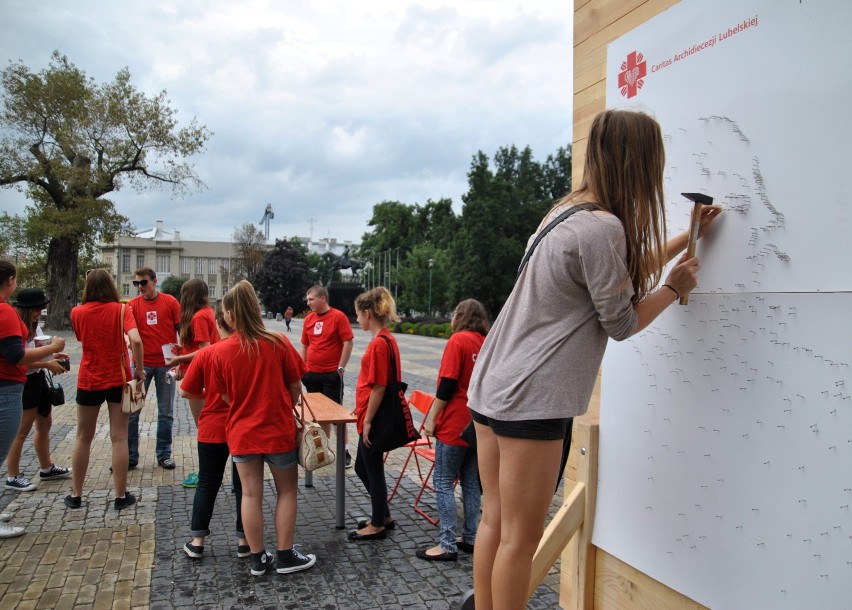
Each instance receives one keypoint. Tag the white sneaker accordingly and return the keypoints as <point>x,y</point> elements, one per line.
<point>10,531</point>
<point>5,517</point>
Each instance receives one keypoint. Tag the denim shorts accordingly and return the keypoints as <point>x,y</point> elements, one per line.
<point>95,398</point>
<point>275,460</point>
<point>535,429</point>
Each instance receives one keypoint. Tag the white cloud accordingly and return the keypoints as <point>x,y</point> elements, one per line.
<point>322,108</point>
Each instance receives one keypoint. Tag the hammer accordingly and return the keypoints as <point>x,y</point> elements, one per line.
<point>698,199</point>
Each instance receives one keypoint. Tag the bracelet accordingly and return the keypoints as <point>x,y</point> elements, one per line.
<point>677,294</point>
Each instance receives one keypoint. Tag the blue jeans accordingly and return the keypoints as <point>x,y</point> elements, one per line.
<point>456,462</point>
<point>11,407</point>
<point>165,414</point>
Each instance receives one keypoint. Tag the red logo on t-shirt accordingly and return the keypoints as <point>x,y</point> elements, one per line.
<point>151,316</point>
<point>633,71</point>
<point>317,328</point>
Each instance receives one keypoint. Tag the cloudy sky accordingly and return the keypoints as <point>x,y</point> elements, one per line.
<point>321,108</point>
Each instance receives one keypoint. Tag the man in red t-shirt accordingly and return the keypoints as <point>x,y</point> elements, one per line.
<point>158,320</point>
<point>326,346</point>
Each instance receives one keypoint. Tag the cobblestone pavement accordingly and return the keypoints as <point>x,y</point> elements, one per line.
<point>96,557</point>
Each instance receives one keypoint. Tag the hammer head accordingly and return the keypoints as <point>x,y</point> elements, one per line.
<point>699,198</point>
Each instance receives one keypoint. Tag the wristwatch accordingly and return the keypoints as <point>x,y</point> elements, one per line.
<point>340,369</point>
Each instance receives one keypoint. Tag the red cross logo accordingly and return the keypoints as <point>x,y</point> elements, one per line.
<point>633,70</point>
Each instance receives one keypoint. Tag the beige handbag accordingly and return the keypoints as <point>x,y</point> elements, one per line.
<point>129,403</point>
<point>312,440</point>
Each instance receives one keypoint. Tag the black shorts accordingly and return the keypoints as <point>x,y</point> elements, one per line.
<point>535,429</point>
<point>95,398</point>
<point>36,395</point>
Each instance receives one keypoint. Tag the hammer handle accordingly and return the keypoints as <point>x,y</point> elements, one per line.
<point>695,222</point>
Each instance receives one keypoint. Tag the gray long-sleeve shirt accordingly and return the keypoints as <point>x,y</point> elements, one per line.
<point>542,355</point>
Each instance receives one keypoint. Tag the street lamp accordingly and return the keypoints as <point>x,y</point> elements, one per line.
<point>431,262</point>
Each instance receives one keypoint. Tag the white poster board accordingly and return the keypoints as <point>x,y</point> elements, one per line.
<point>726,427</point>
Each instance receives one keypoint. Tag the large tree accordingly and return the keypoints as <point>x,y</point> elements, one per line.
<point>283,278</point>
<point>69,141</point>
<point>250,247</point>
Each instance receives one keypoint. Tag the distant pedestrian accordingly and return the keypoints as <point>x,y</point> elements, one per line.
<point>288,316</point>
<point>14,359</point>
<point>97,325</point>
<point>36,401</point>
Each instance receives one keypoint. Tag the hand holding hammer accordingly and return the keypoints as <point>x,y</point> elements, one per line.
<point>699,201</point>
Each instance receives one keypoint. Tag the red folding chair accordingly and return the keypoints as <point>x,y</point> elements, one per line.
<point>422,402</point>
<point>427,453</point>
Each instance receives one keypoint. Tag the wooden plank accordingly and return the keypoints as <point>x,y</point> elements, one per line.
<point>622,586</point>
<point>559,531</point>
<point>598,14</point>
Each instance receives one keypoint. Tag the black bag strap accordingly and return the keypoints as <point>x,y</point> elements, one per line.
<point>550,226</point>
<point>392,359</point>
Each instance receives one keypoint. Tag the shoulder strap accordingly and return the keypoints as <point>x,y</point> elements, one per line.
<point>392,357</point>
<point>573,209</point>
<point>123,346</point>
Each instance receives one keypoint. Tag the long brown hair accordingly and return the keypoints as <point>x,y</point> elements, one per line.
<point>241,301</point>
<point>193,298</point>
<point>470,314</point>
<point>100,287</point>
<point>623,173</point>
<point>26,316</point>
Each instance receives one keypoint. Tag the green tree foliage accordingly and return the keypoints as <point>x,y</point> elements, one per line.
<point>172,285</point>
<point>250,247</point>
<point>414,280</point>
<point>283,278</point>
<point>67,141</point>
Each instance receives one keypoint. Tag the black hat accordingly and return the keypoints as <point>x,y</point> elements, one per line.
<point>31,298</point>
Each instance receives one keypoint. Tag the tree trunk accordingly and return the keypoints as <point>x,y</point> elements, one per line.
<point>62,272</point>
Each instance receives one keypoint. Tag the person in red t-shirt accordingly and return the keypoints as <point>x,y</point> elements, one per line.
<point>259,375</point>
<point>376,310</point>
<point>14,358</point>
<point>97,325</point>
<point>213,451</point>
<point>326,346</point>
<point>158,320</point>
<point>454,458</point>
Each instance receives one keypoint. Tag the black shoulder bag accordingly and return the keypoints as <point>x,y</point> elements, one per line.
<point>392,426</point>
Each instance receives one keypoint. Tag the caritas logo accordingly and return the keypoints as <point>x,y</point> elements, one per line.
<point>633,71</point>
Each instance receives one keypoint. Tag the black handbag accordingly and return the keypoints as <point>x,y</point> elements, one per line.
<point>55,391</point>
<point>392,426</point>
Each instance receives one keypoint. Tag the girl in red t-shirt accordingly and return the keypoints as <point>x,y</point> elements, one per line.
<point>454,458</point>
<point>376,310</point>
<point>97,325</point>
<point>259,375</point>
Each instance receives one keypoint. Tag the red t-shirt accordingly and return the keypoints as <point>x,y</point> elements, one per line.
<point>256,381</point>
<point>457,363</point>
<point>199,379</point>
<point>157,321</point>
<point>324,334</point>
<point>375,370</point>
<point>203,325</point>
<point>11,325</point>
<point>98,328</point>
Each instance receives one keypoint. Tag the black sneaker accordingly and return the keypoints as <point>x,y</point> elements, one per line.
<point>243,551</point>
<point>194,551</point>
<point>55,472</point>
<point>292,560</point>
<point>167,463</point>
<point>128,500</point>
<point>260,563</point>
<point>73,502</point>
<point>348,460</point>
<point>20,483</point>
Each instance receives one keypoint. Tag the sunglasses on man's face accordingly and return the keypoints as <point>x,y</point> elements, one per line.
<point>138,283</point>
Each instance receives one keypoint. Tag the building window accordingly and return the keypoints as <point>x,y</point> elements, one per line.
<point>140,261</point>
<point>184,265</point>
<point>225,263</point>
<point>164,263</point>
<point>199,266</point>
<point>211,291</point>
<point>211,266</point>
<point>125,263</point>
<point>224,289</point>
<point>125,290</point>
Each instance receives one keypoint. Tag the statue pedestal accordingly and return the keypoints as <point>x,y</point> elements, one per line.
<point>341,295</point>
